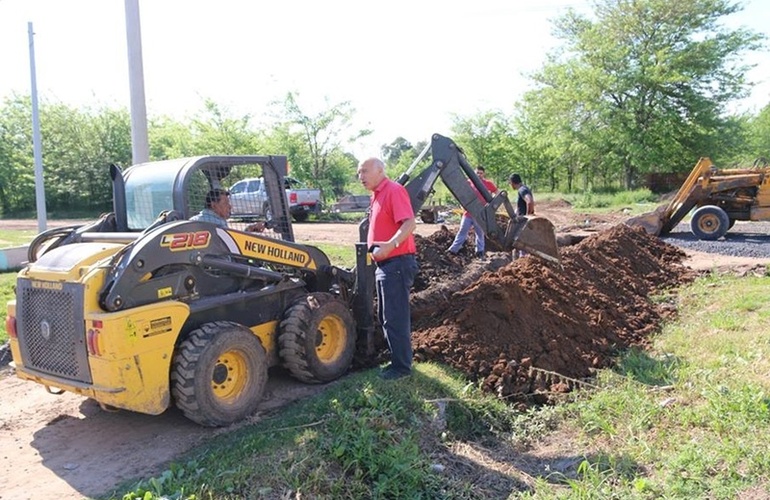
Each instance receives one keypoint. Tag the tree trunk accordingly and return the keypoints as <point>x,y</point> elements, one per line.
<point>630,172</point>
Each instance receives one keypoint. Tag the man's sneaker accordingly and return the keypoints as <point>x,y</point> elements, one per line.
<point>391,374</point>
<point>479,255</point>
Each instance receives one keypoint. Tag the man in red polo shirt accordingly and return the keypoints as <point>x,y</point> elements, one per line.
<point>391,224</point>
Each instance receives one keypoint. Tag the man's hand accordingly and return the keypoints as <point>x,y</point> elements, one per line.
<point>381,250</point>
<point>257,227</point>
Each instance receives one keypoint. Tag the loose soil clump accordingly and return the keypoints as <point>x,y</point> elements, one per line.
<point>528,328</point>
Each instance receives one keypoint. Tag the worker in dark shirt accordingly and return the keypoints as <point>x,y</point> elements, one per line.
<point>525,204</point>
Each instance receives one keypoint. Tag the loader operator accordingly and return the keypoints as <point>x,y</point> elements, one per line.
<point>390,238</point>
<point>217,210</point>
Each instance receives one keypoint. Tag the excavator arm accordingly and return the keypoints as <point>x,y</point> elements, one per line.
<point>532,234</point>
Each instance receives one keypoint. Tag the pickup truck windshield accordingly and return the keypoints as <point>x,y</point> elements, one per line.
<point>249,186</point>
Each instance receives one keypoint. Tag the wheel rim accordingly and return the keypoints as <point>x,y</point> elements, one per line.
<point>709,223</point>
<point>230,376</point>
<point>330,339</point>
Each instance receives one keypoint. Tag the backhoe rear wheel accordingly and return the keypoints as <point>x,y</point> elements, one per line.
<point>709,222</point>
<point>317,338</point>
<point>218,374</point>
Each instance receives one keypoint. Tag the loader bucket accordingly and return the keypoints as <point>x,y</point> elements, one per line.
<point>652,222</point>
<point>535,235</point>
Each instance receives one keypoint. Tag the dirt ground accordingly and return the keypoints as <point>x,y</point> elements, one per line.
<point>524,329</point>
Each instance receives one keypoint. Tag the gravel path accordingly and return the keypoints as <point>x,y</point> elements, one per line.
<point>745,239</point>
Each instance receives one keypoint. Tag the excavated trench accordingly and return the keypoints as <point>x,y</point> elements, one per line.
<point>526,329</point>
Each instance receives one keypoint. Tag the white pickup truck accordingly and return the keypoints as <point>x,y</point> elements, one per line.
<point>249,198</point>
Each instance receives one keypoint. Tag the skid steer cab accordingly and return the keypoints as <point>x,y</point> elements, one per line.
<point>144,308</point>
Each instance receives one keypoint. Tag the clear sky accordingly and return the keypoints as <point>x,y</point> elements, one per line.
<point>405,65</point>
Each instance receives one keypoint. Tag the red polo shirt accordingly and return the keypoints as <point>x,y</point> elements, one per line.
<point>390,208</point>
<point>490,187</point>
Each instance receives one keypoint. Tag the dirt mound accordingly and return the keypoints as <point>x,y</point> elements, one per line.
<point>437,265</point>
<point>518,326</point>
<point>556,203</point>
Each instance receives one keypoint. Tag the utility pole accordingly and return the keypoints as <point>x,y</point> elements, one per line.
<point>36,144</point>
<point>140,149</point>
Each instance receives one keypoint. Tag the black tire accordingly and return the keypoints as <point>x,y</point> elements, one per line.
<point>317,338</point>
<point>218,374</point>
<point>732,223</point>
<point>301,216</point>
<point>709,222</point>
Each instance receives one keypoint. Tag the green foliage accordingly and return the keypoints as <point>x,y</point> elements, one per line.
<point>689,419</point>
<point>759,140</point>
<point>487,140</point>
<point>17,181</point>
<point>318,154</point>
<point>79,144</point>
<point>391,153</point>
<point>611,198</point>
<point>641,87</point>
<point>212,131</point>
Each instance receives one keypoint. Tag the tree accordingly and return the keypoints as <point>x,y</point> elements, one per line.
<point>392,152</point>
<point>17,181</point>
<point>487,139</point>
<point>216,132</point>
<point>759,134</point>
<point>78,146</point>
<point>643,87</point>
<point>170,138</point>
<point>320,159</point>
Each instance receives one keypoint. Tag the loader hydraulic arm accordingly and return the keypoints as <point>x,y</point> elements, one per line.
<point>187,260</point>
<point>532,234</point>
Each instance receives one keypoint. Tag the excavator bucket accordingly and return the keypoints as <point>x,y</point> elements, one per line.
<point>535,235</point>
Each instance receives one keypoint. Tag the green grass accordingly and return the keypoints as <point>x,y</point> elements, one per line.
<point>340,255</point>
<point>691,418</point>
<point>363,438</point>
<point>16,237</point>
<point>642,200</point>
<point>688,418</point>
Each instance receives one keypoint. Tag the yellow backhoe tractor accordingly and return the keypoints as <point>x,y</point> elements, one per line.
<point>719,196</point>
<point>144,308</point>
